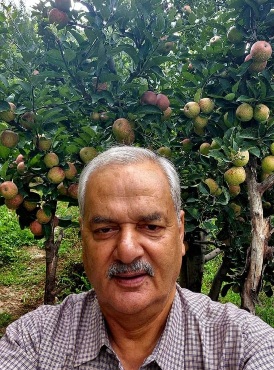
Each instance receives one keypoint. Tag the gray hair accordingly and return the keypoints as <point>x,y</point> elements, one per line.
<point>124,155</point>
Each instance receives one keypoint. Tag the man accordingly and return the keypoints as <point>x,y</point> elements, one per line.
<point>136,317</point>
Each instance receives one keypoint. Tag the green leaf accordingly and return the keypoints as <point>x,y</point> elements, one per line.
<point>147,109</point>
<point>4,167</point>
<point>244,98</point>
<point>188,76</point>
<point>198,95</point>
<point>4,105</point>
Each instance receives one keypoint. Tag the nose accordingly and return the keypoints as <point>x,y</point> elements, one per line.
<point>128,246</point>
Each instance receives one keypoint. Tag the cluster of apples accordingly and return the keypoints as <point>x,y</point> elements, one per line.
<point>57,174</point>
<point>159,100</point>
<point>59,14</point>
<point>14,199</point>
<point>245,112</point>
<point>260,53</point>
<point>199,113</point>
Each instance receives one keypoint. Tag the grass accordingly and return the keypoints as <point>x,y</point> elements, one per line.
<point>265,308</point>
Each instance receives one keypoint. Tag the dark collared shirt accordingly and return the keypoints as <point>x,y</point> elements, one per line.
<point>199,334</point>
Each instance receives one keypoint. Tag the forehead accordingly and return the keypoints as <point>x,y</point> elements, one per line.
<point>133,178</point>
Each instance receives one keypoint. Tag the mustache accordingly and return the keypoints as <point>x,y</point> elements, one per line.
<point>136,266</point>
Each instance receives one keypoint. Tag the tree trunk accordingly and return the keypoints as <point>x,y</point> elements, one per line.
<point>191,274</point>
<point>51,248</point>
<point>219,278</point>
<point>259,243</point>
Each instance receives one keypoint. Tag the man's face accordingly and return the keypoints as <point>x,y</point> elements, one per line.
<point>132,240</point>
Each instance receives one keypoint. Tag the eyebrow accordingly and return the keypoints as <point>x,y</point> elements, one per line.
<point>156,216</point>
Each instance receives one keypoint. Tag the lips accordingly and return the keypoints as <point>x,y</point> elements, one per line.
<point>130,279</point>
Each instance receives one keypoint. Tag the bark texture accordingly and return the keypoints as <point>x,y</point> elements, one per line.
<point>259,242</point>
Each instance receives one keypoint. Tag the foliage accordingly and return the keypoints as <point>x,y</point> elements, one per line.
<point>11,237</point>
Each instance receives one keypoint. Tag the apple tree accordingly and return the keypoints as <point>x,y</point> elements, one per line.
<point>187,80</point>
<point>225,167</point>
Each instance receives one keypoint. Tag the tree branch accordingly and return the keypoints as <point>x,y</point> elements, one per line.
<point>266,184</point>
<point>211,255</point>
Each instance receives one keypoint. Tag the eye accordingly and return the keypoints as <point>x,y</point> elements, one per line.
<point>152,228</point>
<point>104,232</point>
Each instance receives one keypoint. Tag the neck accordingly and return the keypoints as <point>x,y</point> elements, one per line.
<point>133,337</point>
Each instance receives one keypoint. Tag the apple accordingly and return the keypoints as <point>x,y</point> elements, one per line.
<point>43,217</point>
<point>73,191</point>
<point>149,97</point>
<point>205,148</point>
<point>29,205</point>
<point>244,112</point>
<point>255,67</point>
<point>261,113</point>
<point>36,228</point>
<point>215,41</point>
<point>191,109</point>
<point>234,190</point>
<point>187,9</point>
<point>51,159</point>
<point>206,105</point>
<point>267,164</point>
<point>186,145</point>
<point>70,172</point>
<point>214,188</point>
<point>9,138</point>
<point>95,116</point>
<point>87,153</point>
<point>166,114</point>
<point>200,121</point>
<point>199,131</point>
<point>14,202</point>
<point>165,47</point>
<point>236,208</point>
<point>35,72</point>
<point>44,144</point>
<point>58,17</point>
<point>56,175</point>
<point>162,102</point>
<point>8,115</point>
<point>241,158</point>
<point>235,175</point>
<point>164,151</point>
<point>8,189</point>
<point>27,120</point>
<point>62,189</point>
<point>19,158</point>
<point>261,51</point>
<point>214,145</point>
<point>21,168</point>
<point>122,131</point>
